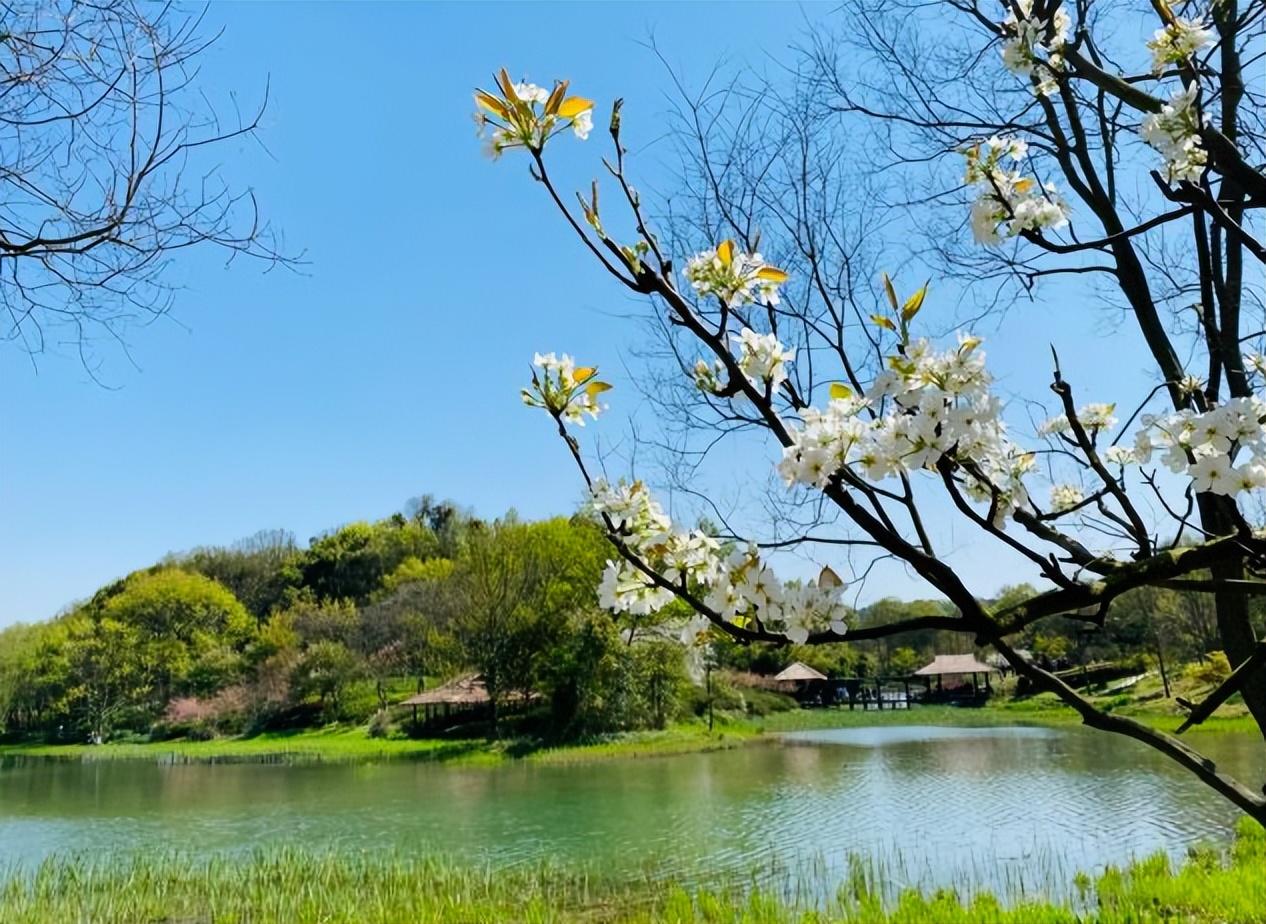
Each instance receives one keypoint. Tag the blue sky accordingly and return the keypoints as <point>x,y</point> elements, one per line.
<point>390,367</point>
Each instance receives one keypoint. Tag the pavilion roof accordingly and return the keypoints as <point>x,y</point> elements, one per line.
<point>954,664</point>
<point>799,671</point>
<point>468,690</point>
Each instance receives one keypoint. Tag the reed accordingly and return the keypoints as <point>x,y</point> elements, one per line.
<point>294,886</point>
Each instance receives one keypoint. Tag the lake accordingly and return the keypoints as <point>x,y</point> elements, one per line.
<point>1010,808</point>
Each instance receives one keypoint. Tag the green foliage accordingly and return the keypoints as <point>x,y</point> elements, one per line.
<point>350,563</point>
<point>1212,671</point>
<point>903,662</point>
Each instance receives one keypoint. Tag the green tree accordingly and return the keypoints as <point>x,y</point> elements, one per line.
<point>107,677</point>
<point>180,620</point>
<point>511,592</point>
<point>351,563</point>
<point>325,670</point>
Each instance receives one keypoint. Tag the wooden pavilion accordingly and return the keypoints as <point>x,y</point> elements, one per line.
<point>957,666</point>
<point>801,681</point>
<point>465,694</point>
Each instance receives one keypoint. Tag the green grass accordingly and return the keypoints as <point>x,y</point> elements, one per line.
<point>296,887</point>
<point>352,743</point>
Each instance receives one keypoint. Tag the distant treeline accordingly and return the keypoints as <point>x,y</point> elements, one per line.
<point>268,634</point>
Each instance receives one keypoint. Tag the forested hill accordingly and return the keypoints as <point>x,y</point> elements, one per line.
<point>267,634</point>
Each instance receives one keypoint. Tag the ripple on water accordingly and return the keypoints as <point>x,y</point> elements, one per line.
<point>1008,808</point>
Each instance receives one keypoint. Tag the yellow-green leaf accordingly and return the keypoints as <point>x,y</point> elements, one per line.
<point>725,252</point>
<point>583,374</point>
<point>840,391</point>
<point>491,103</point>
<point>771,274</point>
<point>828,579</point>
<point>883,322</point>
<point>507,86</point>
<point>556,97</point>
<point>914,303</point>
<point>892,293</point>
<point>574,106</point>
<point>593,389</point>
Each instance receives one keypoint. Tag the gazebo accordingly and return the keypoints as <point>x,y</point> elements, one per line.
<point>956,665</point>
<point>799,679</point>
<point>464,694</point>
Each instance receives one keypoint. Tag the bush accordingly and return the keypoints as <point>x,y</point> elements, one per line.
<point>764,702</point>
<point>380,725</point>
<point>1214,669</point>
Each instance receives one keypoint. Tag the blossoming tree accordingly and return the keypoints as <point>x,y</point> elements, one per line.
<point>872,420</point>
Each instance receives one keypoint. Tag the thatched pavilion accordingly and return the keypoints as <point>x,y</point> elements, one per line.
<point>800,680</point>
<point>960,666</point>
<point>464,694</point>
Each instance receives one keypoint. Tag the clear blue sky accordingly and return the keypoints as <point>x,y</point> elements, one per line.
<point>392,366</point>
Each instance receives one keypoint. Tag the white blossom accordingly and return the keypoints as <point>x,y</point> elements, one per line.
<point>735,277</point>
<point>1065,497</point>
<point>1175,133</point>
<point>1178,41</point>
<point>762,358</point>
<point>1033,47</point>
<point>1006,201</point>
<point>1206,445</point>
<point>562,388</point>
<point>937,404</point>
<point>524,115</point>
<point>711,377</point>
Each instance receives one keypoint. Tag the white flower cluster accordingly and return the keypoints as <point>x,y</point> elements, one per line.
<point>563,388</point>
<point>740,587</point>
<point>1177,42</point>
<point>937,404</point>
<point>1033,46</point>
<point>1205,445</point>
<point>1175,133</point>
<point>735,277</point>
<point>1065,497</point>
<point>526,115</point>
<point>762,358</point>
<point>710,377</point>
<point>1007,202</point>
<point>1092,417</point>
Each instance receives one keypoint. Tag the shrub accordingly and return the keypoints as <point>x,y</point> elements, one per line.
<point>1214,669</point>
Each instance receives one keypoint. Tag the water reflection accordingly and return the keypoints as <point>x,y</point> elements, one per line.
<point>1000,806</point>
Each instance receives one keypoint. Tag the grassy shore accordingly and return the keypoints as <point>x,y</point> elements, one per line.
<point>1225,886</point>
<point>352,743</point>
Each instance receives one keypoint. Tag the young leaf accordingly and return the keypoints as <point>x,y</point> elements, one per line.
<point>555,97</point>
<point>883,322</point>
<point>583,374</point>
<point>593,389</point>
<point>507,86</point>
<point>725,252</point>
<point>891,292</point>
<point>828,579</point>
<point>574,106</point>
<point>914,303</point>
<point>771,274</point>
<point>491,103</point>
<point>840,391</point>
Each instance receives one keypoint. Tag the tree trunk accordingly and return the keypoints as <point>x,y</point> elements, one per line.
<point>1235,626</point>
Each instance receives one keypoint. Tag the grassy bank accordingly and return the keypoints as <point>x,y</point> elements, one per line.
<point>285,885</point>
<point>352,743</point>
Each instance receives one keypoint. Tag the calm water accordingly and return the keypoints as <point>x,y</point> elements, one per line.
<point>1005,807</point>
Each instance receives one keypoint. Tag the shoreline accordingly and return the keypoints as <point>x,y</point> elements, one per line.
<point>345,743</point>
